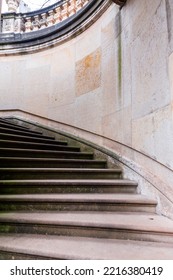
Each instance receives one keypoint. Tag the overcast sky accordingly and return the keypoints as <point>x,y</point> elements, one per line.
<point>33,4</point>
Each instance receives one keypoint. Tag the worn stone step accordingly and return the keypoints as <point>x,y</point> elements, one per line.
<point>24,133</point>
<point>10,126</point>
<point>29,246</point>
<point>77,202</point>
<point>50,163</point>
<point>67,186</point>
<point>37,146</point>
<point>58,173</point>
<point>111,225</point>
<point>14,152</point>
<point>14,137</point>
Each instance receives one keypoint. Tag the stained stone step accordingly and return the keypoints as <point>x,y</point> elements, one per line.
<point>50,163</point>
<point>24,133</point>
<point>29,246</point>
<point>110,225</point>
<point>67,186</point>
<point>77,202</point>
<point>37,146</point>
<point>14,137</point>
<point>10,126</point>
<point>14,152</point>
<point>58,173</point>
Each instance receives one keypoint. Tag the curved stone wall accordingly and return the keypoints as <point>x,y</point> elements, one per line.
<point>114,83</point>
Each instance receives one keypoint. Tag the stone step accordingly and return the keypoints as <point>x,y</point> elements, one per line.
<point>67,186</point>
<point>24,133</point>
<point>36,146</point>
<point>58,173</point>
<point>7,121</point>
<point>10,126</point>
<point>50,163</point>
<point>13,152</point>
<point>77,202</point>
<point>30,247</point>
<point>109,225</point>
<point>50,188</point>
<point>14,137</point>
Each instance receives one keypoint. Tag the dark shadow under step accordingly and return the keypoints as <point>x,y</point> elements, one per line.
<point>27,133</point>
<point>51,163</point>
<point>14,137</point>
<point>6,121</point>
<point>58,173</point>
<point>12,152</point>
<point>36,146</point>
<point>17,128</point>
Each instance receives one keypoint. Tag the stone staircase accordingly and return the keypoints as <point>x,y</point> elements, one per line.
<point>57,202</point>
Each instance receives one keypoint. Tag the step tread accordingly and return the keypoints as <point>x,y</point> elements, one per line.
<point>136,222</point>
<point>75,248</point>
<point>52,159</point>
<point>38,144</point>
<point>112,182</point>
<point>27,133</point>
<point>42,151</point>
<point>32,138</point>
<point>84,198</point>
<point>61,169</point>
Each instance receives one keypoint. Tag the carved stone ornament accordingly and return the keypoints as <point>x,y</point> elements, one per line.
<point>13,5</point>
<point>8,25</point>
<point>119,2</point>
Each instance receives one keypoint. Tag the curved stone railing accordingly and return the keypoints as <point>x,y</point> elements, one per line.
<point>49,26</point>
<point>40,19</point>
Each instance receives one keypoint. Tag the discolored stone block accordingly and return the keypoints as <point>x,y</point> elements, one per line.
<point>88,73</point>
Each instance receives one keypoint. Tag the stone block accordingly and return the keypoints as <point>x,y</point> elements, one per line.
<point>88,73</point>
<point>117,126</point>
<point>88,111</point>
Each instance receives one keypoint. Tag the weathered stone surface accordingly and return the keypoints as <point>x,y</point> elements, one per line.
<point>88,73</point>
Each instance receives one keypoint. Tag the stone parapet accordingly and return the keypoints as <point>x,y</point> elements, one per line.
<point>49,26</point>
<point>40,19</point>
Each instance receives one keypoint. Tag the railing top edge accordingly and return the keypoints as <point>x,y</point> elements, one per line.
<point>36,12</point>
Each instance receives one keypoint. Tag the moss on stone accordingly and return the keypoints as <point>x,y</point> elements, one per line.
<point>119,58</point>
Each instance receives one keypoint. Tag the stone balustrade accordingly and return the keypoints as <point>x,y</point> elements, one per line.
<point>40,19</point>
